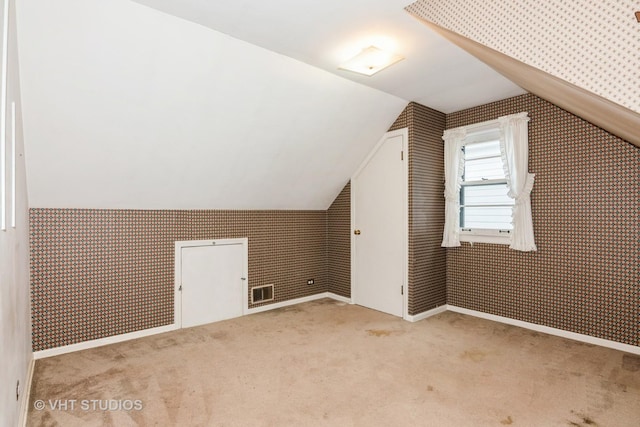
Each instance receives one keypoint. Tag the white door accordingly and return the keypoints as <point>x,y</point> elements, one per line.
<point>379,220</point>
<point>212,283</point>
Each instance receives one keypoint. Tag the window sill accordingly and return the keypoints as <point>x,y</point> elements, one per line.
<point>483,238</point>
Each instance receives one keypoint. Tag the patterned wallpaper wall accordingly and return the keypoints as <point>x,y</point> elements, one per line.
<point>593,44</point>
<point>98,273</point>
<point>585,276</point>
<point>427,260</point>
<point>339,243</point>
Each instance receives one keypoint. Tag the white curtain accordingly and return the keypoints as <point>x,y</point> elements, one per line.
<point>453,169</point>
<point>514,147</point>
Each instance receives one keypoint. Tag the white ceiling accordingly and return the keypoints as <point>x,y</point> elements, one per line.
<point>126,106</point>
<point>325,33</point>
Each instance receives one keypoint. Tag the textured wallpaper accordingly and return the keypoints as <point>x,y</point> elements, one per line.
<point>427,260</point>
<point>593,44</point>
<point>339,243</point>
<point>585,276</point>
<point>97,273</point>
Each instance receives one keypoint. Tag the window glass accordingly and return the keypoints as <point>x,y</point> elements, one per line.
<point>484,203</point>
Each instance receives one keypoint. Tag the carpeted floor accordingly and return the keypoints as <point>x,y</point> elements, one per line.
<point>326,363</point>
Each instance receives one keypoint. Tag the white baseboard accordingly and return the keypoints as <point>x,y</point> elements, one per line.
<point>415,318</point>
<point>339,298</point>
<point>102,341</point>
<point>548,330</point>
<point>425,314</point>
<point>26,394</point>
<point>297,301</point>
<point>154,331</point>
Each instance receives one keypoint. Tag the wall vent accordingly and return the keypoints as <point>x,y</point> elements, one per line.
<point>261,294</point>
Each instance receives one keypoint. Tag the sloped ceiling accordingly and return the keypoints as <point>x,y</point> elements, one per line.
<point>327,33</point>
<point>582,56</point>
<point>592,44</point>
<point>127,107</point>
<point>226,104</point>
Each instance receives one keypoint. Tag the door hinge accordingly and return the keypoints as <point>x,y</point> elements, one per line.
<point>402,155</point>
<point>401,290</point>
<point>180,288</point>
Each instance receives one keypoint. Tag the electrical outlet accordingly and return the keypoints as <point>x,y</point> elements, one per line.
<point>311,281</point>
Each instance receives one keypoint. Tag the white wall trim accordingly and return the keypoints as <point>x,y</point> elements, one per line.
<point>425,314</point>
<point>548,330</point>
<point>415,318</point>
<point>85,345</point>
<point>289,302</point>
<point>339,298</point>
<point>102,341</point>
<point>26,394</point>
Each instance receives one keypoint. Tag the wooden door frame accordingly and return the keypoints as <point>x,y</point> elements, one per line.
<point>404,132</point>
<point>179,245</point>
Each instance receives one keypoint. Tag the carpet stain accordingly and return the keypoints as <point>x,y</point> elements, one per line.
<point>507,421</point>
<point>378,332</point>
<point>326,301</point>
<point>631,363</point>
<point>221,335</point>
<point>585,420</point>
<point>430,388</point>
<point>474,354</point>
<point>164,343</point>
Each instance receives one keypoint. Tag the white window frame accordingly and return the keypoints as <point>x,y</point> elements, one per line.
<point>483,132</point>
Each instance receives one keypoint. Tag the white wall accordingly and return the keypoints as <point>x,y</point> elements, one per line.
<point>15,318</point>
<point>128,107</point>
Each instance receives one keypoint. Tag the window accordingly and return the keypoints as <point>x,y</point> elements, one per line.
<point>485,207</point>
<point>487,184</point>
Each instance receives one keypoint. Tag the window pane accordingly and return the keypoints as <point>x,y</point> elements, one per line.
<point>484,206</point>
<point>494,218</point>
<point>487,168</point>
<point>482,149</point>
<point>492,194</point>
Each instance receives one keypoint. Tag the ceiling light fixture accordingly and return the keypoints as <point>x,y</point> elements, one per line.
<point>370,60</point>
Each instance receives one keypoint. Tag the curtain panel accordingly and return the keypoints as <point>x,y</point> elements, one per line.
<point>514,147</point>
<point>453,168</point>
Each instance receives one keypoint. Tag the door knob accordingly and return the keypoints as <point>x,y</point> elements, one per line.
<point>356,232</point>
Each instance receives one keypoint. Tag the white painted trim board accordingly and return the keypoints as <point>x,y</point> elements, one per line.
<point>172,327</point>
<point>102,341</point>
<point>415,318</point>
<point>26,394</point>
<point>426,314</point>
<point>548,330</point>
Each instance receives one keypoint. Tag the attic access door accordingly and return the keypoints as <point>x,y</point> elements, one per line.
<point>210,281</point>
<point>379,227</point>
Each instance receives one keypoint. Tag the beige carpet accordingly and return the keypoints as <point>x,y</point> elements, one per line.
<point>325,363</point>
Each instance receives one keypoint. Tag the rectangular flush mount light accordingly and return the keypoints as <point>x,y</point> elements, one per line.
<point>370,60</point>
